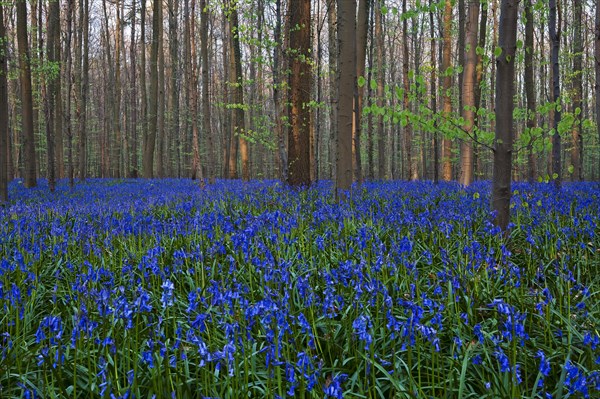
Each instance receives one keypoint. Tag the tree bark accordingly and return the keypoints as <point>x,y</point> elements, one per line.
<point>529,89</point>
<point>468,95</point>
<point>52,88</point>
<point>554,31</point>
<point>300,89</point>
<point>411,170</point>
<point>346,78</point>
<point>361,54</point>
<point>380,76</point>
<point>447,89</point>
<point>26,96</point>
<point>501,183</point>
<point>210,161</point>
<point>134,98</point>
<point>82,83</point>
<point>333,96</point>
<point>597,71</point>
<point>436,166</point>
<point>576,135</point>
<point>150,134</point>
<point>4,151</point>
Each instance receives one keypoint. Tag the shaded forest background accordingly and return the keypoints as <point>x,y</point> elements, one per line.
<point>239,88</point>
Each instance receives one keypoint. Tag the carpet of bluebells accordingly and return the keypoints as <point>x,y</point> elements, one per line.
<point>139,288</point>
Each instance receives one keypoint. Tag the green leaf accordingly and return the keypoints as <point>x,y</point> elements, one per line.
<point>571,169</point>
<point>519,43</point>
<point>373,84</point>
<point>497,51</point>
<point>361,81</point>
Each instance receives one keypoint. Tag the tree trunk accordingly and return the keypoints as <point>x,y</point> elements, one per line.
<point>478,80</point>
<point>150,134</point>
<point>529,89</point>
<point>82,83</point>
<point>160,117</point>
<point>597,70</point>
<point>505,89</point>
<point>361,53</point>
<point>380,76</point>
<point>192,80</point>
<point>4,151</point>
<point>52,88</point>
<point>300,82</point>
<point>134,98</point>
<point>411,170</point>
<point>447,89</point>
<point>69,78</point>
<point>281,157</point>
<point>576,135</point>
<point>554,30</point>
<point>26,96</point>
<point>333,96</point>
<point>346,79</point>
<point>468,95</point>
<point>210,161</point>
<point>237,84</point>
<point>436,166</point>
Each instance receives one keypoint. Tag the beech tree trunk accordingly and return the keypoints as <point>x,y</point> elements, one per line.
<point>210,162</point>
<point>333,96</point>
<point>52,88</point>
<point>468,95</point>
<point>411,172</point>
<point>554,30</point>
<point>26,96</point>
<point>300,89</point>
<point>436,165</point>
<point>529,89</point>
<point>4,151</point>
<point>150,135</point>
<point>346,79</point>
<point>597,70</point>
<point>380,76</point>
<point>361,54</point>
<point>447,89</point>
<point>576,136</point>
<point>501,183</point>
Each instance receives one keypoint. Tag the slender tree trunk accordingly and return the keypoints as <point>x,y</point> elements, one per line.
<point>361,53</point>
<point>597,70</point>
<point>346,79</point>
<point>529,89</point>
<point>576,135</point>
<point>160,118</point>
<point>133,89</point>
<point>333,96</point>
<point>237,83</point>
<point>4,151</point>
<point>210,161</point>
<point>505,88</point>
<point>82,84</point>
<point>468,95</point>
<point>52,88</point>
<point>433,56</point>
<point>150,135</point>
<point>300,89</point>
<point>478,80</point>
<point>411,170</point>
<point>26,95</point>
<point>554,30</point>
<point>193,95</point>
<point>281,158</point>
<point>143,75</point>
<point>68,60</point>
<point>380,76</point>
<point>447,88</point>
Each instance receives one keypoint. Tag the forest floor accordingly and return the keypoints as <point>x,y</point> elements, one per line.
<point>135,288</point>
